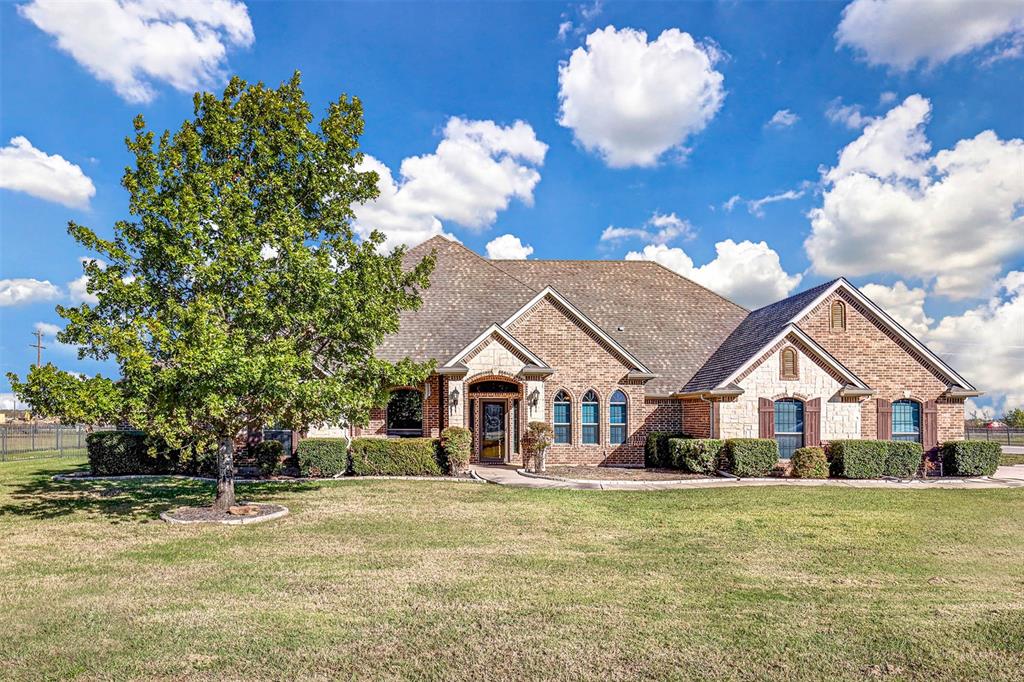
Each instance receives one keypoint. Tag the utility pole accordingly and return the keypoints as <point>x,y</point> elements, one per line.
<point>38,345</point>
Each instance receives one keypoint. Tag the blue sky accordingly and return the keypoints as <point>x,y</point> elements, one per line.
<point>637,122</point>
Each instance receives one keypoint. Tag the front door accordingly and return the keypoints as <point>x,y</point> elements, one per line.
<point>492,431</point>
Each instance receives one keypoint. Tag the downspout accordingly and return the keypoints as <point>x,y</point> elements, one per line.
<point>711,415</point>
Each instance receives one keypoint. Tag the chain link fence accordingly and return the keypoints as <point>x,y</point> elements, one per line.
<point>37,441</point>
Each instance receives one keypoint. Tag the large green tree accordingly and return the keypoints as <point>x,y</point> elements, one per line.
<point>237,295</point>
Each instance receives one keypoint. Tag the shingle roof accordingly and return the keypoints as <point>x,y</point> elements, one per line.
<point>751,336</point>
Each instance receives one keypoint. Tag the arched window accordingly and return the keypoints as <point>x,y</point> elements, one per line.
<point>838,311</point>
<point>906,420</point>
<point>789,426</point>
<point>788,366</point>
<point>617,418</point>
<point>405,413</point>
<point>563,418</point>
<point>590,410</point>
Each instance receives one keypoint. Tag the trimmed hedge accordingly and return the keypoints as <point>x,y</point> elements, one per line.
<point>122,453</point>
<point>809,462</point>
<point>456,444</point>
<point>322,456</point>
<point>750,457</point>
<point>268,454</point>
<point>970,457</point>
<point>903,458</point>
<point>395,457</point>
<point>695,455</point>
<point>857,458</point>
<point>656,452</point>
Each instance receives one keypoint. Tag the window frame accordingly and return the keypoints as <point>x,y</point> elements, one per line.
<point>593,428</point>
<point>841,307</point>
<point>562,397</point>
<point>789,435</point>
<point>909,436</point>
<point>613,425</point>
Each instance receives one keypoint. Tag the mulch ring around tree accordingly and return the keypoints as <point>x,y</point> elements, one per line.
<point>240,514</point>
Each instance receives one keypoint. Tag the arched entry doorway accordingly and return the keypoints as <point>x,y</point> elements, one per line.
<point>495,418</point>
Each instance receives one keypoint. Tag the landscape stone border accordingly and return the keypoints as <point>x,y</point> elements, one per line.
<point>280,511</point>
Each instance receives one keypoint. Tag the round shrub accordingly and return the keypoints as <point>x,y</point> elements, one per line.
<point>809,462</point>
<point>394,457</point>
<point>750,457</point>
<point>323,456</point>
<point>268,454</point>
<point>695,455</point>
<point>970,457</point>
<point>903,458</point>
<point>456,443</point>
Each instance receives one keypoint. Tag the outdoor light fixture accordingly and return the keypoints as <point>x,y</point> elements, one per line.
<point>534,397</point>
<point>453,397</point>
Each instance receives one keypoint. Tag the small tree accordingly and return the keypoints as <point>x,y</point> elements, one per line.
<point>1014,418</point>
<point>238,295</point>
<point>535,443</point>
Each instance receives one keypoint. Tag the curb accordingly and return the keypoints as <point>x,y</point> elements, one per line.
<point>240,521</point>
<point>128,477</point>
<point>601,482</point>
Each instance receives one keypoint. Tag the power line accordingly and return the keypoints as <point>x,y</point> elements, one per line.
<point>38,345</point>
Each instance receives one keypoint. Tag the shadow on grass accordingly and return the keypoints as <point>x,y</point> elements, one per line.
<point>38,496</point>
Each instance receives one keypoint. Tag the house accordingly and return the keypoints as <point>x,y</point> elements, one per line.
<point>607,351</point>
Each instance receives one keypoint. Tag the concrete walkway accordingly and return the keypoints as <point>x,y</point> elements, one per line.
<point>1005,477</point>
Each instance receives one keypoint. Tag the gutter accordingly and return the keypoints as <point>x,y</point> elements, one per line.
<point>850,391</point>
<point>730,391</point>
<point>957,392</point>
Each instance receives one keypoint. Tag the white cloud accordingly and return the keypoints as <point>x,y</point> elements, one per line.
<point>27,290</point>
<point>783,118</point>
<point>478,168</point>
<point>48,329</point>
<point>23,168</point>
<point>904,304</point>
<point>887,97</point>
<point>951,218</point>
<point>564,29</point>
<point>132,44</point>
<point>9,401</point>
<point>902,33</point>
<point>660,228</point>
<point>849,115</point>
<point>756,206</point>
<point>78,290</point>
<point>749,274</point>
<point>631,101</point>
<point>509,247</point>
<point>50,332</point>
<point>975,411</point>
<point>731,202</point>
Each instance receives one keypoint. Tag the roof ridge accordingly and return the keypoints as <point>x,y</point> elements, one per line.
<point>487,261</point>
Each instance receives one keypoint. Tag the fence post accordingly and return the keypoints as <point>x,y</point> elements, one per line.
<point>3,444</point>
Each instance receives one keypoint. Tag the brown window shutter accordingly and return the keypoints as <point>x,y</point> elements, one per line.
<point>812,422</point>
<point>930,426</point>
<point>766,418</point>
<point>789,366</point>
<point>883,427</point>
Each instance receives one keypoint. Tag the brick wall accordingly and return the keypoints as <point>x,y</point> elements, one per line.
<point>696,418</point>
<point>884,362</point>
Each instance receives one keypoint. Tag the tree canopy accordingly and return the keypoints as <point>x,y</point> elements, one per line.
<point>237,294</point>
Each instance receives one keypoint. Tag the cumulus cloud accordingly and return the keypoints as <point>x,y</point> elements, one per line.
<point>889,205</point>
<point>783,118</point>
<point>9,401</point>
<point>478,168</point>
<point>902,33</point>
<point>660,228</point>
<point>849,115</point>
<point>631,101</point>
<point>748,273</point>
<point>509,247</point>
<point>133,44</point>
<point>21,291</point>
<point>51,177</point>
<point>904,304</point>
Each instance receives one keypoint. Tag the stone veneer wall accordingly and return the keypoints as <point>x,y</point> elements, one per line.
<point>884,362</point>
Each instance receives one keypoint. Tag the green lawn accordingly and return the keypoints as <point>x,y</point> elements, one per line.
<point>1007,459</point>
<point>461,581</point>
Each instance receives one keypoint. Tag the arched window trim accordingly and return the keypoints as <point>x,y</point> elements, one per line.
<point>409,428</point>
<point>789,373</point>
<point>618,419</point>
<point>590,424</point>
<point>902,429</point>
<point>561,419</point>
<point>793,438</point>
<point>837,316</point>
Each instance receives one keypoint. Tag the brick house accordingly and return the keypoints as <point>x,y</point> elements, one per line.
<point>607,351</point>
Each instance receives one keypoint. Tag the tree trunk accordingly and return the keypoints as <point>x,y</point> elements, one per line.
<point>225,474</point>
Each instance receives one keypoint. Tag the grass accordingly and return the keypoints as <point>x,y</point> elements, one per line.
<point>1008,460</point>
<point>396,579</point>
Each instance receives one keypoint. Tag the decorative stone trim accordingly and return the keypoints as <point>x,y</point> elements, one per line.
<point>280,512</point>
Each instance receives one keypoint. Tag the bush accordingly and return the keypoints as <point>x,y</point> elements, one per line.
<point>394,457</point>
<point>903,458</point>
<point>809,462</point>
<point>268,454</point>
<point>857,458</point>
<point>456,444</point>
<point>750,457</point>
<point>695,455</point>
<point>970,457</point>
<point>323,456</point>
<point>122,453</point>
<point>202,464</point>
<point>535,442</point>
<point>656,453</point>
